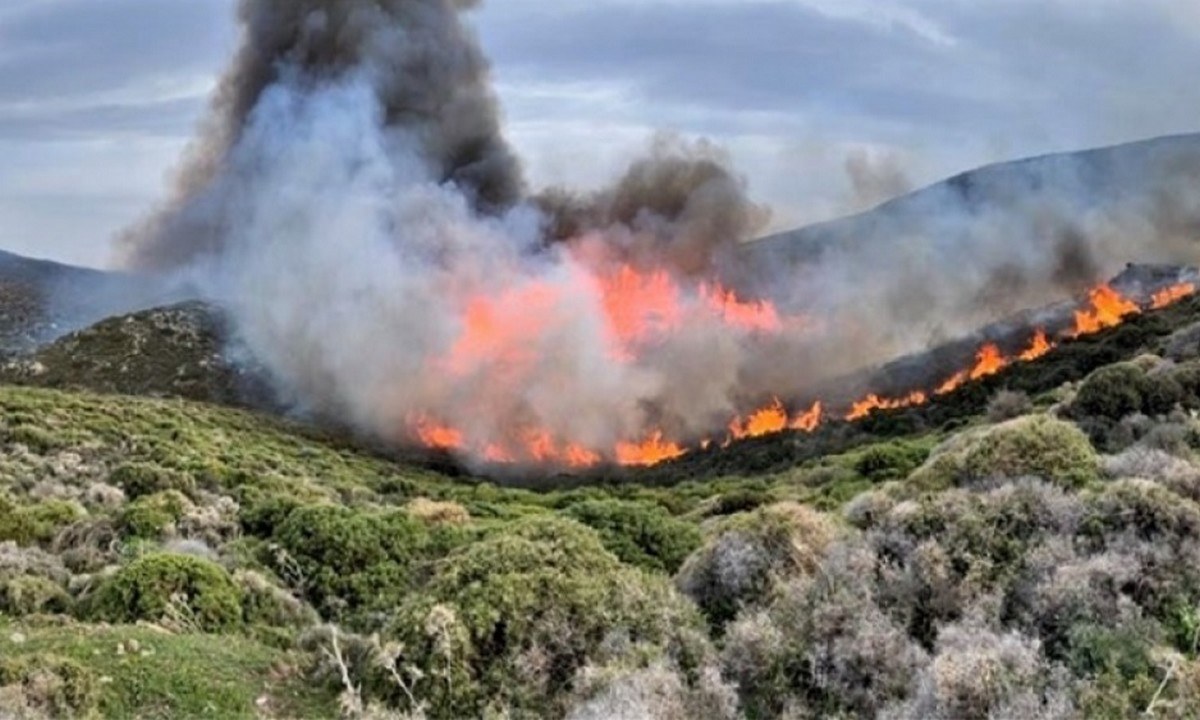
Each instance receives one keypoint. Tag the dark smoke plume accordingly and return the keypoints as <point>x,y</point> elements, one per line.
<point>426,69</point>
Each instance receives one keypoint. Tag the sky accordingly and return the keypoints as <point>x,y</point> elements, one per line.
<point>827,107</point>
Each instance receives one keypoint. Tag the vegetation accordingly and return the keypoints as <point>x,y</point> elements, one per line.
<point>1025,547</point>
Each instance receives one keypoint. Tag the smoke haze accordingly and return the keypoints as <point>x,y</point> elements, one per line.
<point>352,201</point>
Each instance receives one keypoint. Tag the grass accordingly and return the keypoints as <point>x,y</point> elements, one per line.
<point>148,674</point>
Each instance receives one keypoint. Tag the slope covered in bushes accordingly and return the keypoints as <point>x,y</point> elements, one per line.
<point>1028,547</point>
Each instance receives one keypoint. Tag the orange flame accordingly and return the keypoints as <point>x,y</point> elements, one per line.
<point>1171,295</point>
<point>1038,346</point>
<point>651,451</point>
<point>438,437</point>
<point>809,421</point>
<point>758,316</point>
<point>771,419</point>
<point>873,402</point>
<point>639,307</point>
<point>1107,309</point>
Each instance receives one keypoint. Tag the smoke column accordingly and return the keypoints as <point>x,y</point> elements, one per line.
<point>353,204</point>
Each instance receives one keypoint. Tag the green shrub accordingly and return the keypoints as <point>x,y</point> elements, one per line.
<point>351,559</point>
<point>742,500</point>
<point>140,479</point>
<point>30,595</point>
<point>639,533</point>
<point>154,584</point>
<point>1113,392</point>
<point>150,516</point>
<point>50,686</point>
<point>39,523</point>
<point>889,461</point>
<point>1037,445</point>
<point>511,619</point>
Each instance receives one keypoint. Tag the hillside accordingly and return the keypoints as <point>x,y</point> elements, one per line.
<point>1063,189</point>
<point>41,300</point>
<point>1025,547</point>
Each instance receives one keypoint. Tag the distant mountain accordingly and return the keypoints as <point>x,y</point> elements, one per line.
<point>1158,177</point>
<point>42,300</point>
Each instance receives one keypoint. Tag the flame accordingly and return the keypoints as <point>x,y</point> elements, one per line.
<point>1038,346</point>
<point>873,402</point>
<point>499,334</point>
<point>771,419</point>
<point>988,361</point>
<point>639,306</point>
<point>436,436</point>
<point>808,421</point>
<point>1171,295</point>
<point>651,451</point>
<point>758,316</point>
<point>1107,308</point>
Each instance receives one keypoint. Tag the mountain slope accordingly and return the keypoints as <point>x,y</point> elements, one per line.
<point>41,300</point>
<point>1161,170</point>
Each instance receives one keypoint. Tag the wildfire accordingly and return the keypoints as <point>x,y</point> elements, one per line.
<point>1039,346</point>
<point>1171,295</point>
<point>771,419</point>
<point>810,420</point>
<point>651,451</point>
<point>988,361</point>
<point>1107,309</point>
<point>641,306</point>
<point>873,402</point>
<point>759,316</point>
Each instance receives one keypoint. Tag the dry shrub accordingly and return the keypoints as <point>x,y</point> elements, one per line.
<point>823,647</point>
<point>657,692</point>
<point>752,553</point>
<point>980,673</point>
<point>1008,404</point>
<point>437,512</point>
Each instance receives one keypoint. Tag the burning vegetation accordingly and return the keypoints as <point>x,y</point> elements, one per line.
<point>644,308</point>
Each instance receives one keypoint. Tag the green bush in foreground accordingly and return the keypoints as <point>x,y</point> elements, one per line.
<point>1039,446</point>
<point>163,584</point>
<point>348,560</point>
<point>510,620</point>
<point>638,533</point>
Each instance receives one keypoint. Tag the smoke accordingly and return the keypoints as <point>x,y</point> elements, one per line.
<point>352,202</point>
<point>428,78</point>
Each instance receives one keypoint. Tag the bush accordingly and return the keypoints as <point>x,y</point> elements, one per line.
<point>1037,445</point>
<point>152,516</point>
<point>823,647</point>
<point>433,512</point>
<point>30,595</point>
<point>977,673</point>
<point>1008,404</point>
<point>156,584</point>
<point>512,618</point>
<point>39,523</point>
<point>350,560</point>
<point>889,461</point>
<point>49,686</point>
<point>140,479</point>
<point>1112,392</point>
<point>749,554</point>
<point>638,533</point>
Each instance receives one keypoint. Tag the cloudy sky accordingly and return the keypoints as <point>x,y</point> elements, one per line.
<point>826,106</point>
